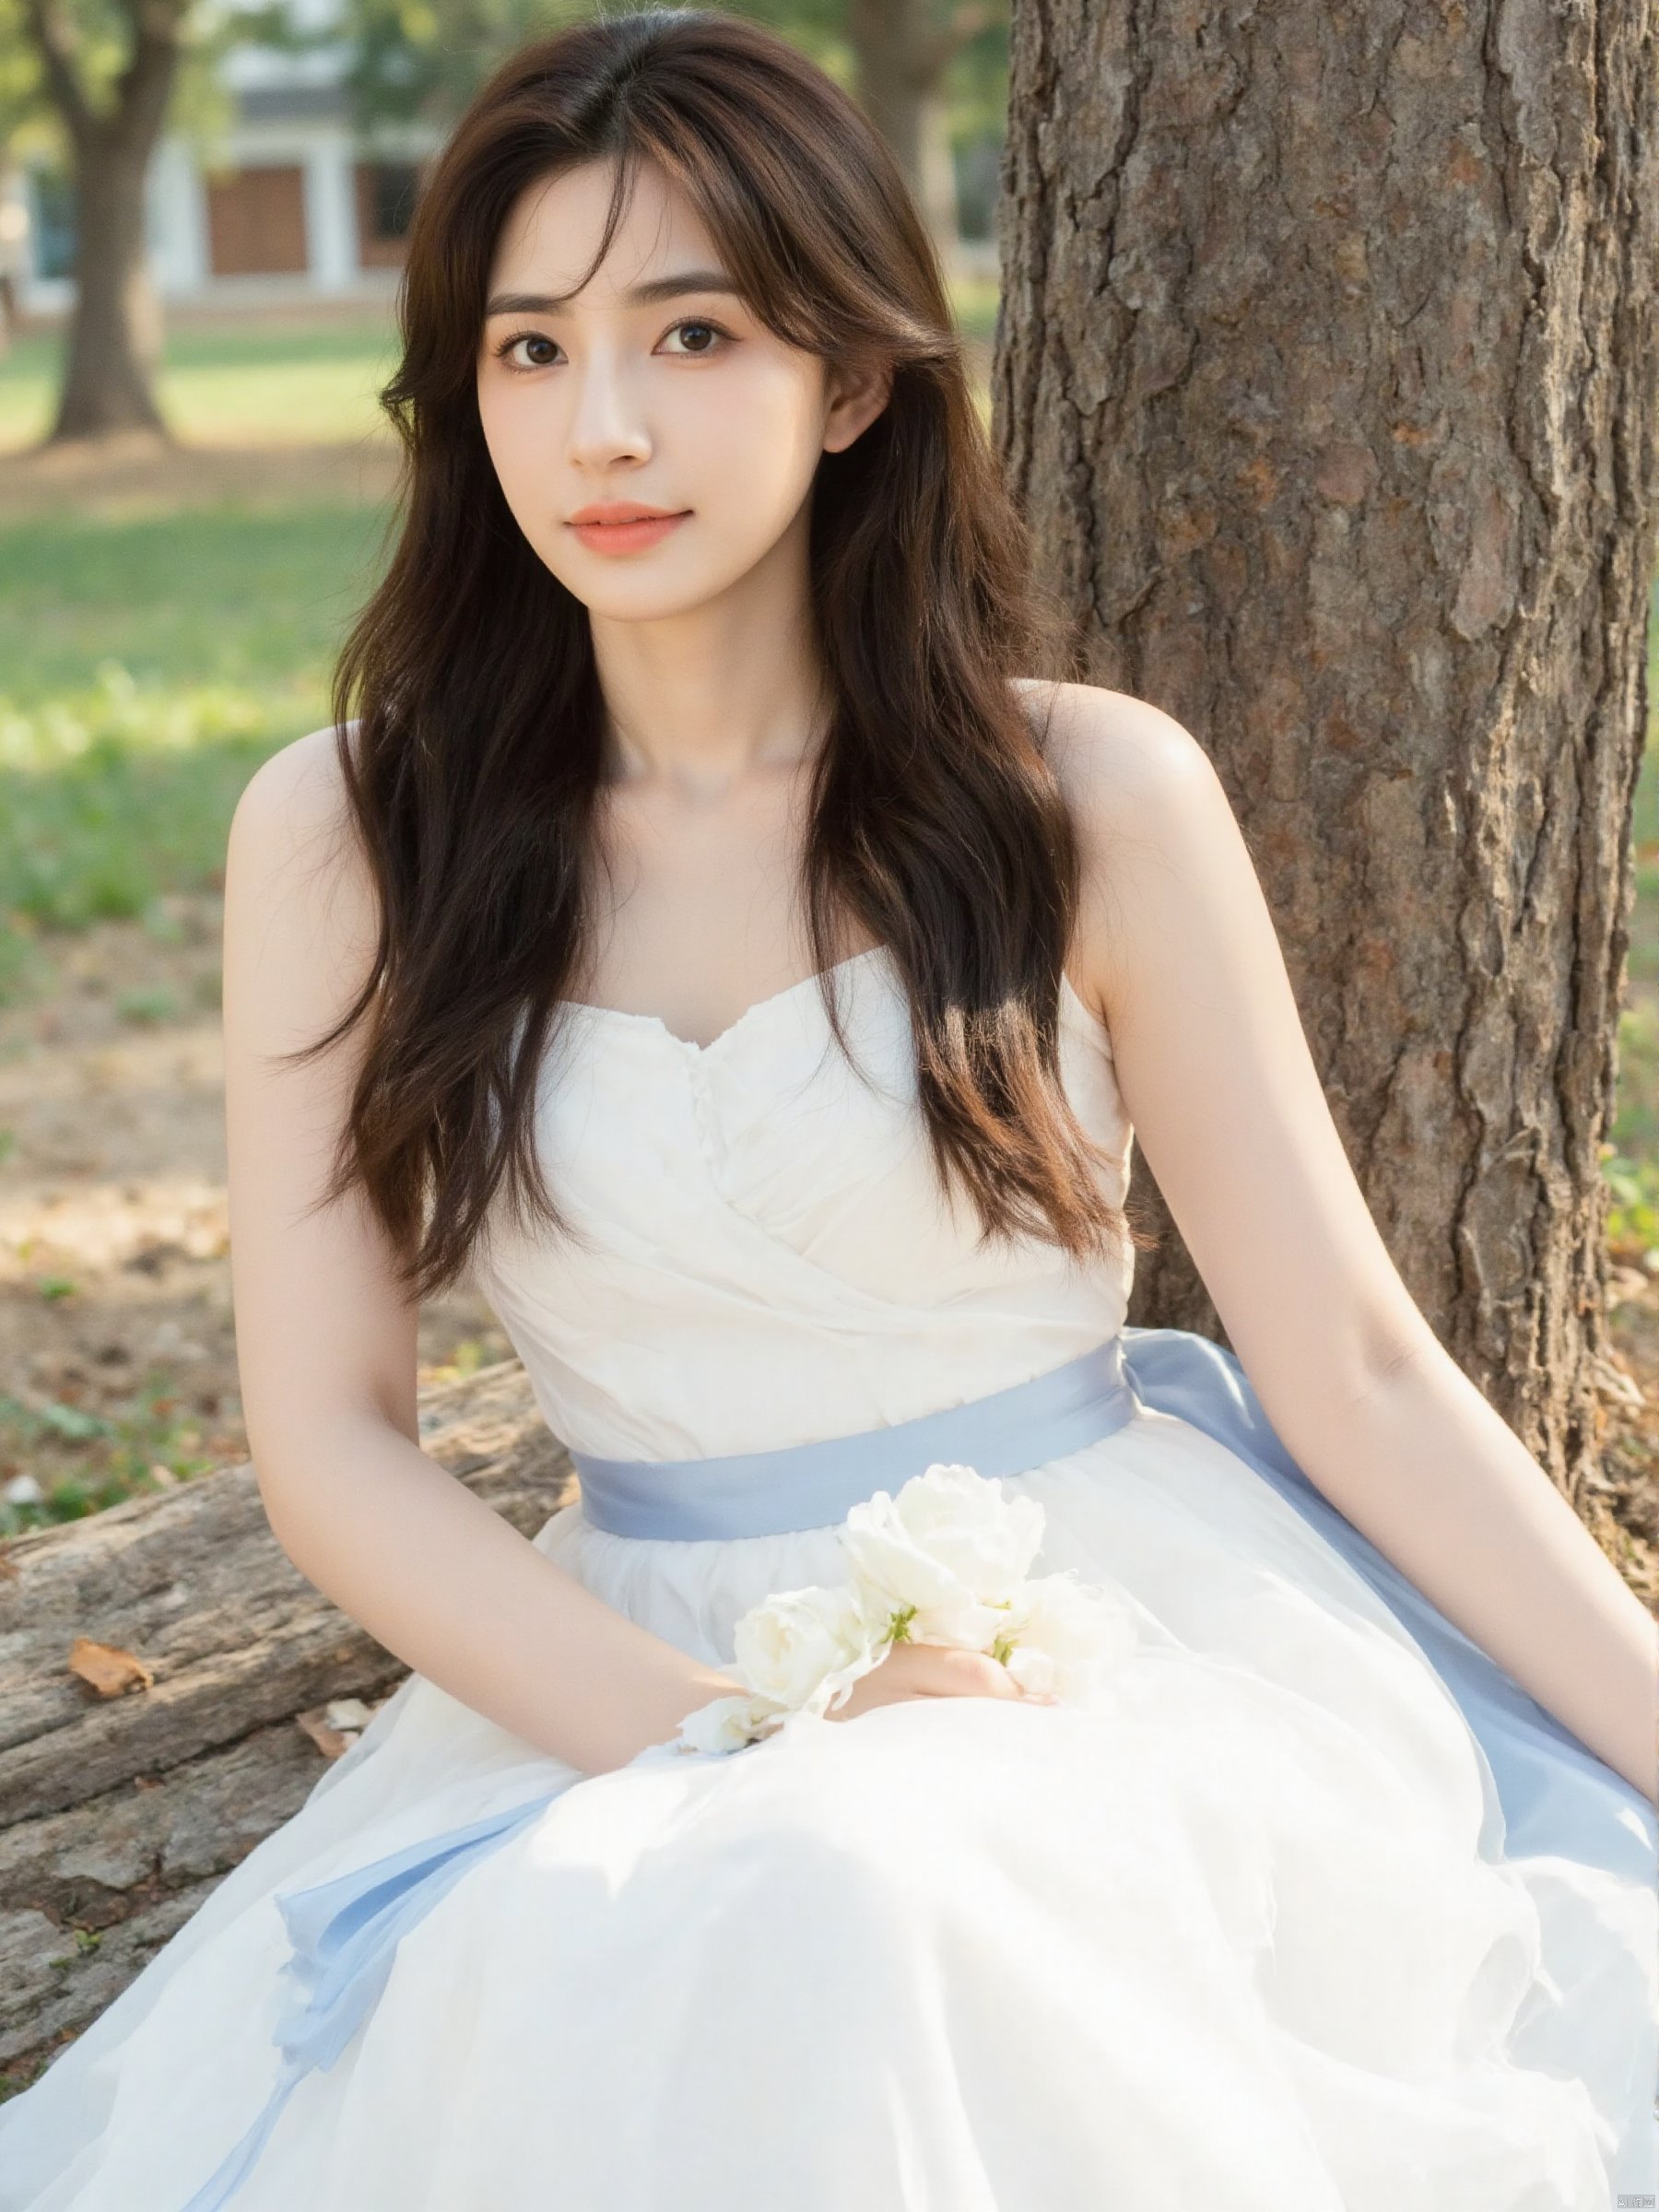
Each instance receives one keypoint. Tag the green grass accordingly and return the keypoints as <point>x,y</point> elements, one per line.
<point>80,1462</point>
<point>209,601</point>
<point>269,385</point>
<point>120,1453</point>
<point>148,667</point>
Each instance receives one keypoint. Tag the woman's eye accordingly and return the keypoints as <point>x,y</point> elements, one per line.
<point>528,337</point>
<point>698,322</point>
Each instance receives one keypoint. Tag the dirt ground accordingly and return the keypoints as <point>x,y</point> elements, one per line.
<point>114,1276</point>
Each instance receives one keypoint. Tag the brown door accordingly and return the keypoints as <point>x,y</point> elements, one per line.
<point>256,221</point>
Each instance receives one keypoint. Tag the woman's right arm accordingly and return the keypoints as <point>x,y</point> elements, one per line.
<point>326,1338</point>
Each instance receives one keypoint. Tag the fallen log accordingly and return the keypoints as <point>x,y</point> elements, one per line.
<point>171,1688</point>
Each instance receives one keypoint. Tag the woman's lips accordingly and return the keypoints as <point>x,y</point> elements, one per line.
<point>626,538</point>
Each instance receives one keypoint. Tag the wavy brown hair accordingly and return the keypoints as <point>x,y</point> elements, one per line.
<point>474,771</point>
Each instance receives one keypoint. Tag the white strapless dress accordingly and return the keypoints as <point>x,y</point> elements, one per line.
<point>1245,1938</point>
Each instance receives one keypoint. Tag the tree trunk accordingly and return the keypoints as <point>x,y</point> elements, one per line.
<point>1325,374</point>
<point>113,346</point>
<point>115,334</point>
<point>213,1686</point>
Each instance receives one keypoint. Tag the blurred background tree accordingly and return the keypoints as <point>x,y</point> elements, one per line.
<point>110,74</point>
<point>924,70</point>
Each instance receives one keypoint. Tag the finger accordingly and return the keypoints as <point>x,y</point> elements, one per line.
<point>943,1666</point>
<point>973,1674</point>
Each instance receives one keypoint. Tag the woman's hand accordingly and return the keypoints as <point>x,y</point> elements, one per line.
<point>932,1670</point>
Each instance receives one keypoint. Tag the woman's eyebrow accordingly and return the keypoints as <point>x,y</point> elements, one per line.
<point>655,287</point>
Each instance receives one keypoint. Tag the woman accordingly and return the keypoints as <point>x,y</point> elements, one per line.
<point>722,870</point>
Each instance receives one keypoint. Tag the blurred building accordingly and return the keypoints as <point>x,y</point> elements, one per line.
<point>295,206</point>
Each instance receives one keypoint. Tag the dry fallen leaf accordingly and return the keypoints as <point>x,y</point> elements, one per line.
<point>110,1670</point>
<point>329,1740</point>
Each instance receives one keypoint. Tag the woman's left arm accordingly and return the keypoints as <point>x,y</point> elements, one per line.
<point>1176,939</point>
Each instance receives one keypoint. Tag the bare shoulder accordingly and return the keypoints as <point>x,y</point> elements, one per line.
<point>1112,752</point>
<point>298,884</point>
<point>298,792</point>
<point>1143,793</point>
<point>293,822</point>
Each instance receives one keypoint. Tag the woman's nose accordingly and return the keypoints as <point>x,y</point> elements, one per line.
<point>605,419</point>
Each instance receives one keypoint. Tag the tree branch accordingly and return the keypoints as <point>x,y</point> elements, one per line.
<point>55,39</point>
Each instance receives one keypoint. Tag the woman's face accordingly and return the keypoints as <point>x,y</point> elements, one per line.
<point>682,400</point>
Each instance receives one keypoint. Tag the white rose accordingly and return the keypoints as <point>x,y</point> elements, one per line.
<point>727,1724</point>
<point>1068,1636</point>
<point>1034,1670</point>
<point>805,1648</point>
<point>950,1545</point>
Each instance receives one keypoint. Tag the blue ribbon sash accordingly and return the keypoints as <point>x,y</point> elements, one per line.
<point>814,1485</point>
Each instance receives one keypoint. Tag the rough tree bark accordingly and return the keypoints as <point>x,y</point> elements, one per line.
<point>114,325</point>
<point>1325,373</point>
<point>171,1691</point>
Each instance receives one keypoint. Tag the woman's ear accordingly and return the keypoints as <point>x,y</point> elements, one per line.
<point>856,396</point>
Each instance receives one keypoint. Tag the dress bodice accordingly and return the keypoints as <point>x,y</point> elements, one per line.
<point>763,1254</point>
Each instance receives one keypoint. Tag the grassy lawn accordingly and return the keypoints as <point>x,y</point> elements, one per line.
<point>149,666</point>
<point>304,382</point>
<point>150,661</point>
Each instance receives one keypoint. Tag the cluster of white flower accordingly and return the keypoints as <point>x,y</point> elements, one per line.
<point>943,1562</point>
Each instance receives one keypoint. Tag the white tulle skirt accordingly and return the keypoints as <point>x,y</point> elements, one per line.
<point>1241,1936</point>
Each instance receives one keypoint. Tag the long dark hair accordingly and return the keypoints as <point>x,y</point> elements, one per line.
<point>473,770</point>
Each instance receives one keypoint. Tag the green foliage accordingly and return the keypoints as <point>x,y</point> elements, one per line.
<point>1633,1205</point>
<point>202,106</point>
<point>22,93</point>
<point>425,58</point>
